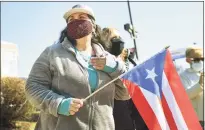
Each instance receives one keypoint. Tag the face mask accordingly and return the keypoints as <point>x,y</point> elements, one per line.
<point>197,66</point>
<point>117,46</point>
<point>77,29</point>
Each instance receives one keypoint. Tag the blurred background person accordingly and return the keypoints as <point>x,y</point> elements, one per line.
<point>124,57</point>
<point>128,57</point>
<point>193,79</point>
<point>125,114</point>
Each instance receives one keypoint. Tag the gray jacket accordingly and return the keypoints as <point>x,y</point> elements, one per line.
<point>59,73</point>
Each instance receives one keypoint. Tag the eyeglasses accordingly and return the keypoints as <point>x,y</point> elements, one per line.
<point>197,59</point>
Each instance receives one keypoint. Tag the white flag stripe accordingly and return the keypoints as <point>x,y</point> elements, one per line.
<point>173,106</point>
<point>155,104</point>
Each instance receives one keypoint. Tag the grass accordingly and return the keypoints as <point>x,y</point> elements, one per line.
<point>26,125</point>
<point>23,125</point>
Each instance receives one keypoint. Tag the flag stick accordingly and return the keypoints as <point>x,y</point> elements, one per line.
<point>101,88</point>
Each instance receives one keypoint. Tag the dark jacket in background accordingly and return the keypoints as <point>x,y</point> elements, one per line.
<point>136,117</point>
<point>122,115</point>
<point>127,117</point>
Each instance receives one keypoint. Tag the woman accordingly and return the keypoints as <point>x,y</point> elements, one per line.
<point>68,72</point>
<point>126,115</point>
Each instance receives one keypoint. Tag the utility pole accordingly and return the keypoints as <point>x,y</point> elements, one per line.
<point>133,30</point>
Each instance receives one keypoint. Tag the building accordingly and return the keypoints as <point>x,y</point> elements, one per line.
<point>9,59</point>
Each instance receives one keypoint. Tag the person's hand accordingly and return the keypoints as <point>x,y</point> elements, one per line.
<point>70,106</point>
<point>201,80</point>
<point>98,62</point>
<point>107,63</point>
<point>75,105</point>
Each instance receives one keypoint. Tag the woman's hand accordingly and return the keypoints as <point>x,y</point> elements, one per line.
<point>70,106</point>
<point>107,64</point>
<point>98,62</point>
<point>75,105</point>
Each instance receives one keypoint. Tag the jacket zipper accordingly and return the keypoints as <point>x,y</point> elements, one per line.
<point>90,100</point>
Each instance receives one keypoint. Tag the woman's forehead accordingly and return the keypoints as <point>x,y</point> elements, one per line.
<point>78,14</point>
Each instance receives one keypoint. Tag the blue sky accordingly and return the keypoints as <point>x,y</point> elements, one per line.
<point>35,25</point>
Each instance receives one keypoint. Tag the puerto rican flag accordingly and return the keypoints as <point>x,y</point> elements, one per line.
<point>159,96</point>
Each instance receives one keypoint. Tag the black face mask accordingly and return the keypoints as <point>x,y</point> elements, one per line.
<point>117,46</point>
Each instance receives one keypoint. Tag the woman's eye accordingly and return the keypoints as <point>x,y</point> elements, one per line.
<point>82,17</point>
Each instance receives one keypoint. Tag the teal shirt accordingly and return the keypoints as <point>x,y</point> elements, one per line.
<point>92,73</point>
<point>93,81</point>
<point>93,77</point>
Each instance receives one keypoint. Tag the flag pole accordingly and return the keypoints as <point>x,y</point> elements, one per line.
<point>101,88</point>
<point>106,85</point>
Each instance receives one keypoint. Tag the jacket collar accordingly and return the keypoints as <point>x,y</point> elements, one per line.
<point>98,49</point>
<point>68,45</point>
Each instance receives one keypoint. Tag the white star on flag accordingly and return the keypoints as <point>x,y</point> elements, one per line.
<point>151,74</point>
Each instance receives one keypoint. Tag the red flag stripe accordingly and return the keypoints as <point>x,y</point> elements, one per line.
<point>142,105</point>
<point>180,95</point>
<point>168,114</point>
